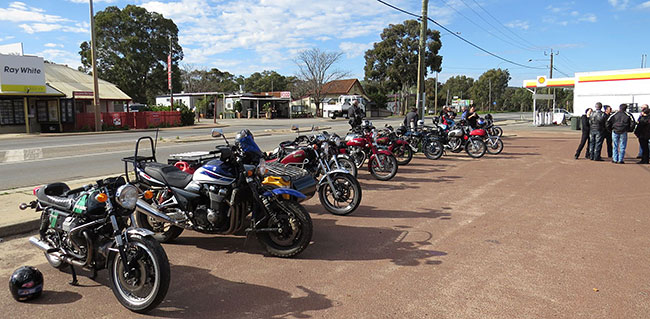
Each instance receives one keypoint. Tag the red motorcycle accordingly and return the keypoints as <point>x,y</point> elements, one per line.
<point>381,163</point>
<point>396,145</point>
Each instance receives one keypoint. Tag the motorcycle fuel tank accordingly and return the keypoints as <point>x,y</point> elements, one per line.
<point>477,132</point>
<point>456,133</point>
<point>382,140</point>
<point>214,172</point>
<point>356,142</point>
<point>295,157</point>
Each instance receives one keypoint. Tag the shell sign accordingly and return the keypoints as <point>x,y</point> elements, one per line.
<point>541,81</point>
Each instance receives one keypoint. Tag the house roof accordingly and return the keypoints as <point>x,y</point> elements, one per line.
<point>68,81</point>
<point>339,86</point>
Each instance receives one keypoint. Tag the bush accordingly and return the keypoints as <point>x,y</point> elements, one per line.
<point>237,106</point>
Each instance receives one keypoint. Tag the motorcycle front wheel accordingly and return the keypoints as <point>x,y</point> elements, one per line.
<point>296,230</point>
<point>403,154</point>
<point>346,164</point>
<point>433,149</point>
<point>344,198</point>
<point>140,283</point>
<point>163,232</point>
<point>475,147</point>
<point>494,145</point>
<point>388,168</point>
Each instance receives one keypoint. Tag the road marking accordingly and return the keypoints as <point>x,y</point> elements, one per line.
<point>22,155</point>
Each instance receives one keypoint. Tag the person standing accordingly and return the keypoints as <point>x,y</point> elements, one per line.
<point>463,116</point>
<point>472,117</point>
<point>608,132</point>
<point>584,124</point>
<point>596,132</point>
<point>355,114</point>
<point>643,108</point>
<point>620,123</point>
<point>411,119</point>
<point>642,132</point>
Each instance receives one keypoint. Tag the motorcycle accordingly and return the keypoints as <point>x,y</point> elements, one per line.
<point>493,143</point>
<point>338,190</point>
<point>422,138</point>
<point>399,147</point>
<point>491,128</point>
<point>361,143</point>
<point>88,227</point>
<point>219,196</point>
<point>460,137</point>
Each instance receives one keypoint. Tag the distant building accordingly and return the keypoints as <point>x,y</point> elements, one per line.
<point>330,95</point>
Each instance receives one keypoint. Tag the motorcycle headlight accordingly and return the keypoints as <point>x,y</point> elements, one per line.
<point>261,168</point>
<point>126,196</point>
<point>337,141</point>
<point>325,146</point>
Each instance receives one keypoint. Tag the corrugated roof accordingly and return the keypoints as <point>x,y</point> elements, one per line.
<point>68,80</point>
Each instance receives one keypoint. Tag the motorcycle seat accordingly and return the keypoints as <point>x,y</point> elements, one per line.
<point>50,195</point>
<point>168,173</point>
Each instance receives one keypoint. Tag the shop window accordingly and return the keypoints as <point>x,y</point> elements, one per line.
<point>41,110</point>
<point>12,112</point>
<point>19,111</point>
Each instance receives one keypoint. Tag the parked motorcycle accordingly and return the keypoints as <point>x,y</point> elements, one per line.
<point>460,137</point>
<point>361,144</point>
<point>397,145</point>
<point>493,143</point>
<point>422,138</point>
<point>491,128</point>
<point>87,227</point>
<point>338,190</point>
<point>219,196</point>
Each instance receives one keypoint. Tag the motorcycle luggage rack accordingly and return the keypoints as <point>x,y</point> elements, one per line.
<point>136,159</point>
<point>290,171</point>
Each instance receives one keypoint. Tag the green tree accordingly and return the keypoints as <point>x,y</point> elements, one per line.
<point>517,99</point>
<point>494,81</point>
<point>430,90</point>
<point>564,99</point>
<point>376,92</point>
<point>214,80</point>
<point>459,85</point>
<point>267,81</point>
<point>393,61</point>
<point>132,48</point>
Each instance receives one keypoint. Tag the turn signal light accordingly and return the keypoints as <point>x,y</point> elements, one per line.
<point>148,194</point>
<point>36,190</point>
<point>249,173</point>
<point>101,197</point>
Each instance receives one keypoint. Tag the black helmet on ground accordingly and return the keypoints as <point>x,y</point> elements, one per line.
<point>26,283</point>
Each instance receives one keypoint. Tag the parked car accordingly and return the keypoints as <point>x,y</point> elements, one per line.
<point>134,107</point>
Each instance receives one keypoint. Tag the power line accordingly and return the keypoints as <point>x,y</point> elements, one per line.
<point>568,76</point>
<point>508,29</point>
<point>458,36</point>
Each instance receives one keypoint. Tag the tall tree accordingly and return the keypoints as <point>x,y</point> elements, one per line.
<point>459,85</point>
<point>213,80</point>
<point>517,99</point>
<point>316,68</point>
<point>494,81</point>
<point>393,61</point>
<point>132,48</point>
<point>267,81</point>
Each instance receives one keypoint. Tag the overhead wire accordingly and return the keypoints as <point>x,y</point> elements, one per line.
<point>458,36</point>
<point>508,29</point>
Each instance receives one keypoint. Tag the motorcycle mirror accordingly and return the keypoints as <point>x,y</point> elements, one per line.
<point>312,127</point>
<point>294,127</point>
<point>217,132</point>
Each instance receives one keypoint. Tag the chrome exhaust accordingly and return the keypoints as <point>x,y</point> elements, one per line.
<point>39,244</point>
<point>45,247</point>
<point>144,207</point>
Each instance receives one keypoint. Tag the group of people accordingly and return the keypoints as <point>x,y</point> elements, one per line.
<point>600,125</point>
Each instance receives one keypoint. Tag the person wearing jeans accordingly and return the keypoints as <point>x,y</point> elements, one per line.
<point>620,123</point>
<point>597,122</point>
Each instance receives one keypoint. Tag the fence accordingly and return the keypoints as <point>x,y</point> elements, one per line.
<point>138,120</point>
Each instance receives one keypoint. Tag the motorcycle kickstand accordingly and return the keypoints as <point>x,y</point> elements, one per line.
<point>74,281</point>
<point>93,275</point>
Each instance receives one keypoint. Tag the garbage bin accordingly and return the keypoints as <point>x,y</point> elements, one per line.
<point>575,123</point>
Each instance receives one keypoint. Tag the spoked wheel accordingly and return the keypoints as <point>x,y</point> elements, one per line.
<point>403,154</point>
<point>163,232</point>
<point>494,145</point>
<point>346,164</point>
<point>140,283</point>
<point>496,130</point>
<point>475,147</point>
<point>294,230</point>
<point>455,145</point>
<point>433,149</point>
<point>344,198</point>
<point>383,167</point>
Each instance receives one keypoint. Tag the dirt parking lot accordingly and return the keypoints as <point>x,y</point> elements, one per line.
<point>529,233</point>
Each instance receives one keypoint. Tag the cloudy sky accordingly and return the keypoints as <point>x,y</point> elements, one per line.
<point>244,36</point>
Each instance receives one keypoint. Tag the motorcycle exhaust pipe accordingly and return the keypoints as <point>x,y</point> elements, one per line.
<point>50,250</point>
<point>39,244</point>
<point>144,207</point>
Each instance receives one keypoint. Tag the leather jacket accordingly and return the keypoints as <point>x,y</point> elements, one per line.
<point>597,121</point>
<point>621,122</point>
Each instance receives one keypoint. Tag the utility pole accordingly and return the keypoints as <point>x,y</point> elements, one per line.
<point>169,75</point>
<point>421,53</point>
<point>447,101</point>
<point>98,122</point>
<point>550,75</point>
<point>490,96</point>
<point>435,108</point>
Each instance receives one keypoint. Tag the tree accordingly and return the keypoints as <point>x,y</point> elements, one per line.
<point>315,68</point>
<point>376,92</point>
<point>459,85</point>
<point>132,48</point>
<point>517,99</point>
<point>214,80</point>
<point>494,81</point>
<point>267,81</point>
<point>393,61</point>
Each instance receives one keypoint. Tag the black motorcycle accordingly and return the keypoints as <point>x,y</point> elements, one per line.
<point>218,197</point>
<point>88,227</point>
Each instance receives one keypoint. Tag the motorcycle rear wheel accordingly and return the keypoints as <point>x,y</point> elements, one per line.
<point>433,150</point>
<point>494,146</point>
<point>163,232</point>
<point>475,147</point>
<point>152,273</point>
<point>403,154</point>
<point>291,216</point>
<point>498,131</point>
<point>349,191</point>
<point>389,169</point>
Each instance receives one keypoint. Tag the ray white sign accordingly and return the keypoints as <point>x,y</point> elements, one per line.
<point>22,74</point>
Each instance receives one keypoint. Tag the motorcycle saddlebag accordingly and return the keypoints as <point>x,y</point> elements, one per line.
<point>299,178</point>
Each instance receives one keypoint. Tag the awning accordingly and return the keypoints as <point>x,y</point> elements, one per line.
<point>49,91</point>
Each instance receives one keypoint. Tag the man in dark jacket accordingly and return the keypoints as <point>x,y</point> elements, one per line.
<point>620,123</point>
<point>355,114</point>
<point>608,133</point>
<point>643,133</point>
<point>596,132</point>
<point>584,124</point>
<point>411,119</point>
<point>643,107</point>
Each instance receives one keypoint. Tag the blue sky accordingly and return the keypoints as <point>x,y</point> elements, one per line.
<point>244,36</point>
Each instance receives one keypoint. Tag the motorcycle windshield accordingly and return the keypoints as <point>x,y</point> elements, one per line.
<point>248,145</point>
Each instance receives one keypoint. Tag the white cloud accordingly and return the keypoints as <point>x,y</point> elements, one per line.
<point>20,12</point>
<point>61,57</point>
<point>589,17</point>
<point>353,50</point>
<point>645,5</point>
<point>563,15</point>
<point>518,24</point>
<point>9,37</point>
<point>86,1</point>
<point>52,45</point>
<point>619,4</point>
<point>48,27</point>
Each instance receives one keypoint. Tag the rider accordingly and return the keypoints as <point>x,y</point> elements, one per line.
<point>472,117</point>
<point>355,114</point>
<point>411,119</point>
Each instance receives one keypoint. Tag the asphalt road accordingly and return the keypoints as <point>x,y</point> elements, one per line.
<point>530,233</point>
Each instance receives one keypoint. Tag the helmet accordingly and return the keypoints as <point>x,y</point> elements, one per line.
<point>420,123</point>
<point>488,116</point>
<point>26,283</point>
<point>481,121</point>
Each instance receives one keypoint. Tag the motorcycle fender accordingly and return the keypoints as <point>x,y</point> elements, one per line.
<point>323,179</point>
<point>346,156</point>
<point>143,232</point>
<point>108,250</point>
<point>283,190</point>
